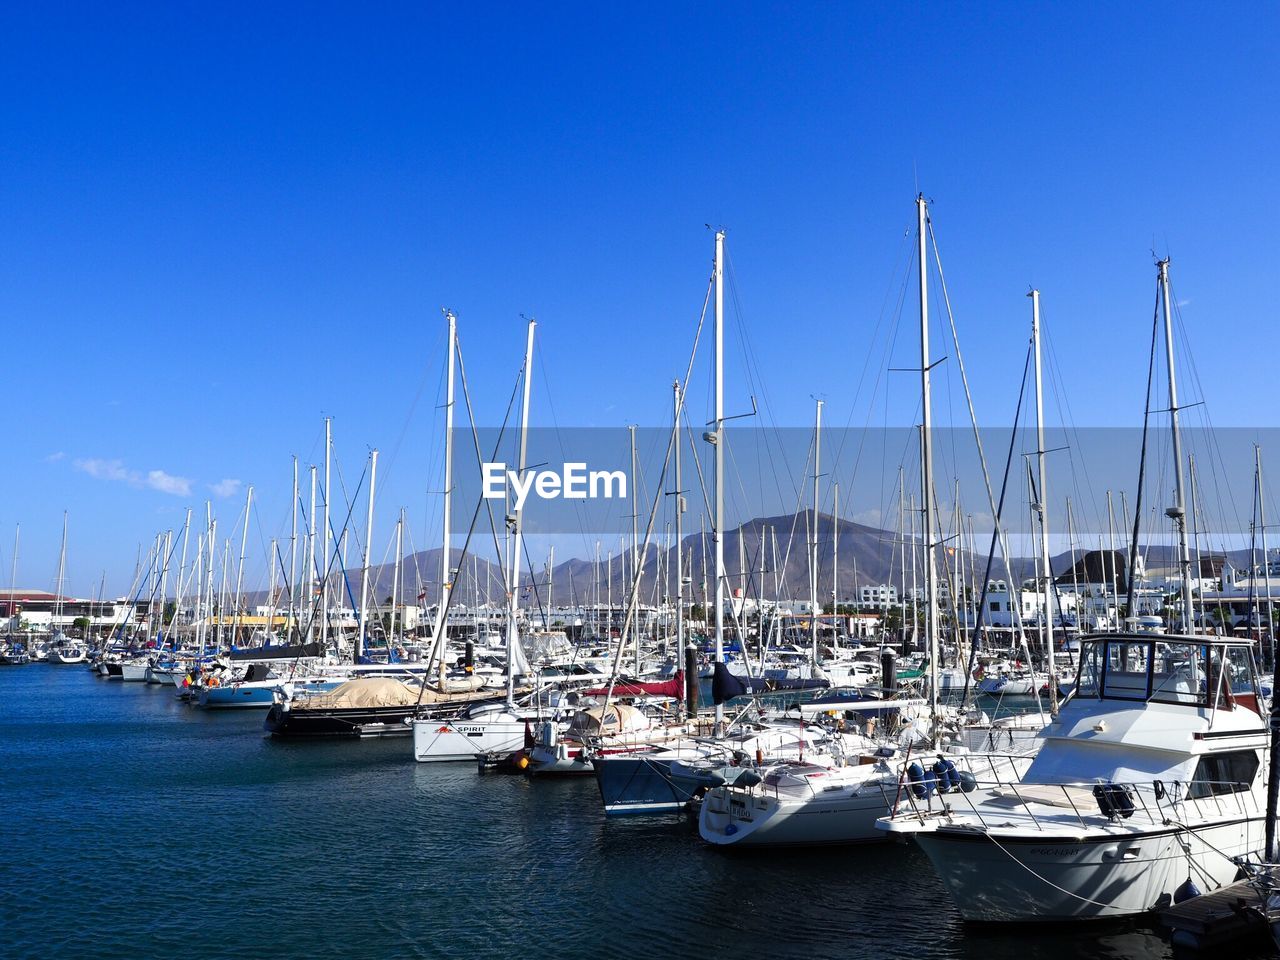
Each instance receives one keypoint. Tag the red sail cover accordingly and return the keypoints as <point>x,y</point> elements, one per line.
<point>664,688</point>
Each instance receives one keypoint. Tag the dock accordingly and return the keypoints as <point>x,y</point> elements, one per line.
<point>1210,921</point>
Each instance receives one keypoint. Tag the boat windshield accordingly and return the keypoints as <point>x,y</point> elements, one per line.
<point>1166,671</point>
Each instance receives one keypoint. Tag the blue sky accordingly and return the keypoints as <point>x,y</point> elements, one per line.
<point>218,225</point>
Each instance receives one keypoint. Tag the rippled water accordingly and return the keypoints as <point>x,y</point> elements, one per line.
<point>138,826</point>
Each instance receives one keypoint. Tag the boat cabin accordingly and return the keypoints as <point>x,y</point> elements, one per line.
<point>1203,672</point>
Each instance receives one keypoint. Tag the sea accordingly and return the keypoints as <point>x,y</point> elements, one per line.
<point>136,825</point>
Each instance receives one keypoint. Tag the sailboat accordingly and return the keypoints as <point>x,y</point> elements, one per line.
<point>802,802</point>
<point>61,649</point>
<point>488,727</point>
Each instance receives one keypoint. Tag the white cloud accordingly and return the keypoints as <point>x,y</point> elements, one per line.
<point>225,488</point>
<point>108,470</point>
<point>55,457</point>
<point>167,483</point>
<point>868,518</point>
<point>116,470</point>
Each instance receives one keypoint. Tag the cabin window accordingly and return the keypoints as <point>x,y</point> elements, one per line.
<point>1179,673</point>
<point>1223,773</point>
<point>995,606</point>
<point>1126,670</point>
<point>1087,678</point>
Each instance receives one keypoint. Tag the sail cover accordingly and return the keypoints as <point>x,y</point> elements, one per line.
<point>726,685</point>
<point>664,688</point>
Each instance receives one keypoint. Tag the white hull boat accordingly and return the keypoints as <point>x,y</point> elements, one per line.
<point>1151,780</point>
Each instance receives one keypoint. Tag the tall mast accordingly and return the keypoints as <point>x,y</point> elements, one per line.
<point>718,439</point>
<point>324,568</point>
<point>1110,590</point>
<point>635,538</point>
<point>291,620</point>
<point>364,563</point>
<point>395,580</point>
<point>271,595</point>
<point>835,549</point>
<point>446,577</point>
<point>62,574</point>
<point>515,657</point>
<point>813,536</point>
<point>926,463</point>
<point>13,577</point>
<point>1269,647</point>
<point>1178,512</point>
<point>244,544</point>
<point>551,565</point>
<point>311,557</point>
<point>679,510</point>
<point>164,578</point>
<point>182,569</point>
<point>1042,509</point>
<point>902,551</point>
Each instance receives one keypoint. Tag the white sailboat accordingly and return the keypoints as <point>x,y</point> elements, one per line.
<point>806,803</point>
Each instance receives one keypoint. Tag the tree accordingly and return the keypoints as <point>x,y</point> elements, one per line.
<point>170,611</point>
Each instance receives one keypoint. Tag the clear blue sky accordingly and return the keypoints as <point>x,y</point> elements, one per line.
<point>218,223</point>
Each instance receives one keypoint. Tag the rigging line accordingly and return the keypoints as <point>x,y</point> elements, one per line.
<point>578,508</point>
<point>973,417</point>
<point>976,638</point>
<point>633,593</point>
<point>1062,400</point>
<point>475,439</point>
<point>1142,463</point>
<point>875,338</point>
<point>389,460</point>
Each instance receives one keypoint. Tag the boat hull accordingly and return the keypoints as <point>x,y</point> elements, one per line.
<point>444,741</point>
<point>742,819</point>
<point>1035,879</point>
<point>339,722</point>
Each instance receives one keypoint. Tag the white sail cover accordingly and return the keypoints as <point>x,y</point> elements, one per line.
<point>517,662</point>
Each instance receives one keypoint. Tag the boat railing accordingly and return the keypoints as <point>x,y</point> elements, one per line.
<point>1091,803</point>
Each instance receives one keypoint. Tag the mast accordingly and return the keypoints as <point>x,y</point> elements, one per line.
<point>164,579</point>
<point>62,574</point>
<point>926,465</point>
<point>1178,512</point>
<point>291,620</point>
<point>635,539</point>
<point>182,568</point>
<point>718,439</point>
<point>551,564</point>
<point>813,537</point>
<point>681,656</point>
<point>902,550</point>
<point>395,582</point>
<point>1111,590</point>
<point>445,561</point>
<point>13,577</point>
<point>328,532</point>
<point>1266,563</point>
<point>244,543</point>
<point>515,657</point>
<point>1042,509</point>
<point>271,595</point>
<point>311,557</point>
<point>364,563</point>
<point>835,550</point>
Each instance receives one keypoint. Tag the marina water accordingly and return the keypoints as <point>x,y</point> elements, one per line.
<point>137,825</point>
